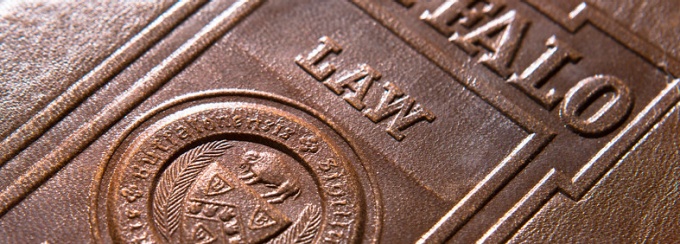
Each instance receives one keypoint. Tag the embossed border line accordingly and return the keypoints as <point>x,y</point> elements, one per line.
<point>554,181</point>
<point>585,13</point>
<point>58,108</point>
<point>575,188</point>
<point>539,134</point>
<point>184,99</point>
<point>124,103</point>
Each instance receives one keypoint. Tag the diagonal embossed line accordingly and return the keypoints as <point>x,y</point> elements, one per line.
<point>576,187</point>
<point>484,89</point>
<point>540,135</point>
<point>56,110</point>
<point>486,189</point>
<point>586,13</point>
<point>460,214</point>
<point>125,102</point>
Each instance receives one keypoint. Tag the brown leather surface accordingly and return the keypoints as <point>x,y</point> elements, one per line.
<point>46,46</point>
<point>636,202</point>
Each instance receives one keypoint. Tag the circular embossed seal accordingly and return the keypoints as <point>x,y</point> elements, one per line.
<point>221,171</point>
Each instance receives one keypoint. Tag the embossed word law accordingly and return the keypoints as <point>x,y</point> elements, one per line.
<point>340,121</point>
<point>501,38</point>
<point>393,101</point>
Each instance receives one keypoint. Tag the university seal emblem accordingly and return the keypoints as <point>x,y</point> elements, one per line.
<point>218,171</point>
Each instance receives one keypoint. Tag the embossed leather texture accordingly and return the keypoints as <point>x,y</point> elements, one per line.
<point>340,121</point>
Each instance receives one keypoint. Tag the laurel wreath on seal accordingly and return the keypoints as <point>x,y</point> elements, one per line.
<point>303,230</point>
<point>178,178</point>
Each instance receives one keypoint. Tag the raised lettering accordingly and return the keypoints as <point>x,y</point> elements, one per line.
<point>131,213</point>
<point>328,164</point>
<point>193,123</point>
<point>158,144</point>
<point>208,124</point>
<point>286,133</point>
<point>147,160</point>
<point>251,122</point>
<point>169,136</point>
<point>312,62</point>
<point>335,189</point>
<point>343,214</point>
<point>342,202</point>
<point>358,81</point>
<point>140,172</point>
<point>182,132</point>
<point>501,36</point>
<point>333,237</point>
<point>535,76</point>
<point>266,125</point>
<point>333,176</point>
<point>585,93</point>
<point>237,121</point>
<point>452,12</point>
<point>407,111</point>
